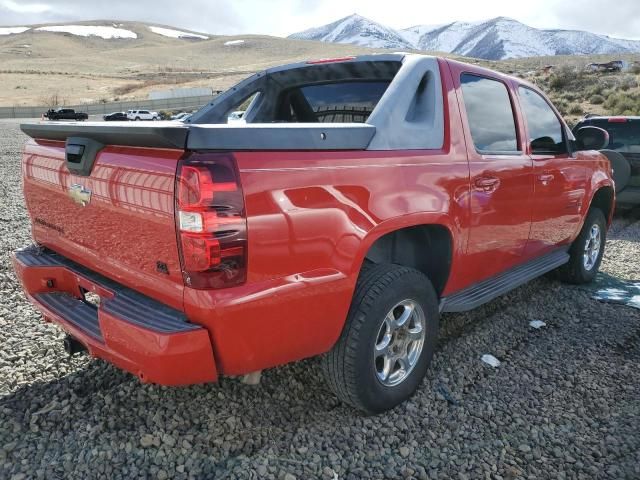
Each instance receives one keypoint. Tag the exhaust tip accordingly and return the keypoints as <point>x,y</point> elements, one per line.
<point>73,346</point>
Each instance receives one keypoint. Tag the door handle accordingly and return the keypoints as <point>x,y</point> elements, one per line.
<point>546,178</point>
<point>487,184</point>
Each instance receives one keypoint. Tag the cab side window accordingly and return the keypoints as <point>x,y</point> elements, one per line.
<point>490,114</point>
<point>545,130</point>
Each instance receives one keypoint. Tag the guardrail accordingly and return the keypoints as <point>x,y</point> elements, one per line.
<point>184,103</point>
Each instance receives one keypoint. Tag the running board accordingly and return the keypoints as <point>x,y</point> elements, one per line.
<point>483,292</point>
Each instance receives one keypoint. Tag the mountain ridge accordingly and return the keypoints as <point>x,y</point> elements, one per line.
<point>498,38</point>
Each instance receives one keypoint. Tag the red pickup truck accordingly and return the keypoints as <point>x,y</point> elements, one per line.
<point>360,199</point>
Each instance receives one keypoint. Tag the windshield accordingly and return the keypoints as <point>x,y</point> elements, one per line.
<point>623,136</point>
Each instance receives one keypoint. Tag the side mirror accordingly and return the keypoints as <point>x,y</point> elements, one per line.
<point>591,138</point>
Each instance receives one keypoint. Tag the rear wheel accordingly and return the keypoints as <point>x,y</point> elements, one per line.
<point>388,340</point>
<point>587,250</point>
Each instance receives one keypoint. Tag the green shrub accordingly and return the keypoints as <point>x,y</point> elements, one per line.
<point>596,100</point>
<point>623,104</point>
<point>596,90</point>
<point>628,82</point>
<point>575,109</point>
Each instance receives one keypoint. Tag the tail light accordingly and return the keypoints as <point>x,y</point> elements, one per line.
<point>211,221</point>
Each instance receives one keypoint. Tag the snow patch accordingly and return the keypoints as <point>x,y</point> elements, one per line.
<point>90,31</point>
<point>12,30</point>
<point>490,360</point>
<point>169,32</point>
<point>537,324</point>
<point>233,42</point>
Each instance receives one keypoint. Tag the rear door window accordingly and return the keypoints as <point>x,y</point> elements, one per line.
<point>545,130</point>
<point>344,102</point>
<point>490,114</point>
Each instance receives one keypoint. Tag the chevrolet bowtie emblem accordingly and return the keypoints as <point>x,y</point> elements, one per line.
<point>80,195</point>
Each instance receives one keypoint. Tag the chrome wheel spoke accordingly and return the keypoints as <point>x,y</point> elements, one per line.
<point>402,320</point>
<point>382,348</point>
<point>415,335</point>
<point>387,367</point>
<point>390,322</point>
<point>403,363</point>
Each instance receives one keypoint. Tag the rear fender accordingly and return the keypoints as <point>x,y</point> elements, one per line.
<point>600,179</point>
<point>398,223</point>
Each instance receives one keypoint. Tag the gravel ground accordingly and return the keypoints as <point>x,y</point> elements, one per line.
<point>565,403</point>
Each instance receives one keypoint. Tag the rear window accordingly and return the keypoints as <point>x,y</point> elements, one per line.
<point>345,102</point>
<point>623,136</point>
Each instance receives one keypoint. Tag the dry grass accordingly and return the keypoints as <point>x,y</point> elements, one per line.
<point>89,69</point>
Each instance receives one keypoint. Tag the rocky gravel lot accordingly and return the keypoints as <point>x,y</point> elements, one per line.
<point>564,403</point>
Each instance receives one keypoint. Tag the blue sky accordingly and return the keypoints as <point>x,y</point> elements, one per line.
<point>619,18</point>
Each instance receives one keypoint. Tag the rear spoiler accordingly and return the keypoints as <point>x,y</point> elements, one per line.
<point>134,134</point>
<point>276,136</point>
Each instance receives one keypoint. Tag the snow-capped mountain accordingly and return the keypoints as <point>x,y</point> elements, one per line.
<point>356,30</point>
<point>494,39</point>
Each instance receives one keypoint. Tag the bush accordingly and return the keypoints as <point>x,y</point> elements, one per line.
<point>628,82</point>
<point>623,104</point>
<point>575,109</point>
<point>596,100</point>
<point>562,77</point>
<point>562,105</point>
<point>597,89</point>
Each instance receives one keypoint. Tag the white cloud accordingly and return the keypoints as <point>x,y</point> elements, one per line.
<point>25,7</point>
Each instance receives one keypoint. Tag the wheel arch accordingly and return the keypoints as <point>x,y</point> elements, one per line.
<point>427,247</point>
<point>604,199</point>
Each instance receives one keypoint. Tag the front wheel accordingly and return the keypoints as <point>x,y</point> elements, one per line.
<point>586,251</point>
<point>388,340</point>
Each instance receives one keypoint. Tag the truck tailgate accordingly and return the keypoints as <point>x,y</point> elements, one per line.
<point>118,220</point>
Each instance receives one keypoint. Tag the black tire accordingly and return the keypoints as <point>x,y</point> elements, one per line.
<point>575,271</point>
<point>350,368</point>
<point>137,119</point>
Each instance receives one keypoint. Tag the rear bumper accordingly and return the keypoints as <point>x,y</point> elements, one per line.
<point>132,331</point>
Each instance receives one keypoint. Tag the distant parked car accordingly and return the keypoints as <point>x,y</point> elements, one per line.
<point>623,152</point>
<point>180,116</point>
<point>115,117</point>
<point>142,115</point>
<point>65,114</point>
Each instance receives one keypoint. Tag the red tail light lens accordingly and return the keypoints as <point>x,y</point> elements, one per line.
<point>211,221</point>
